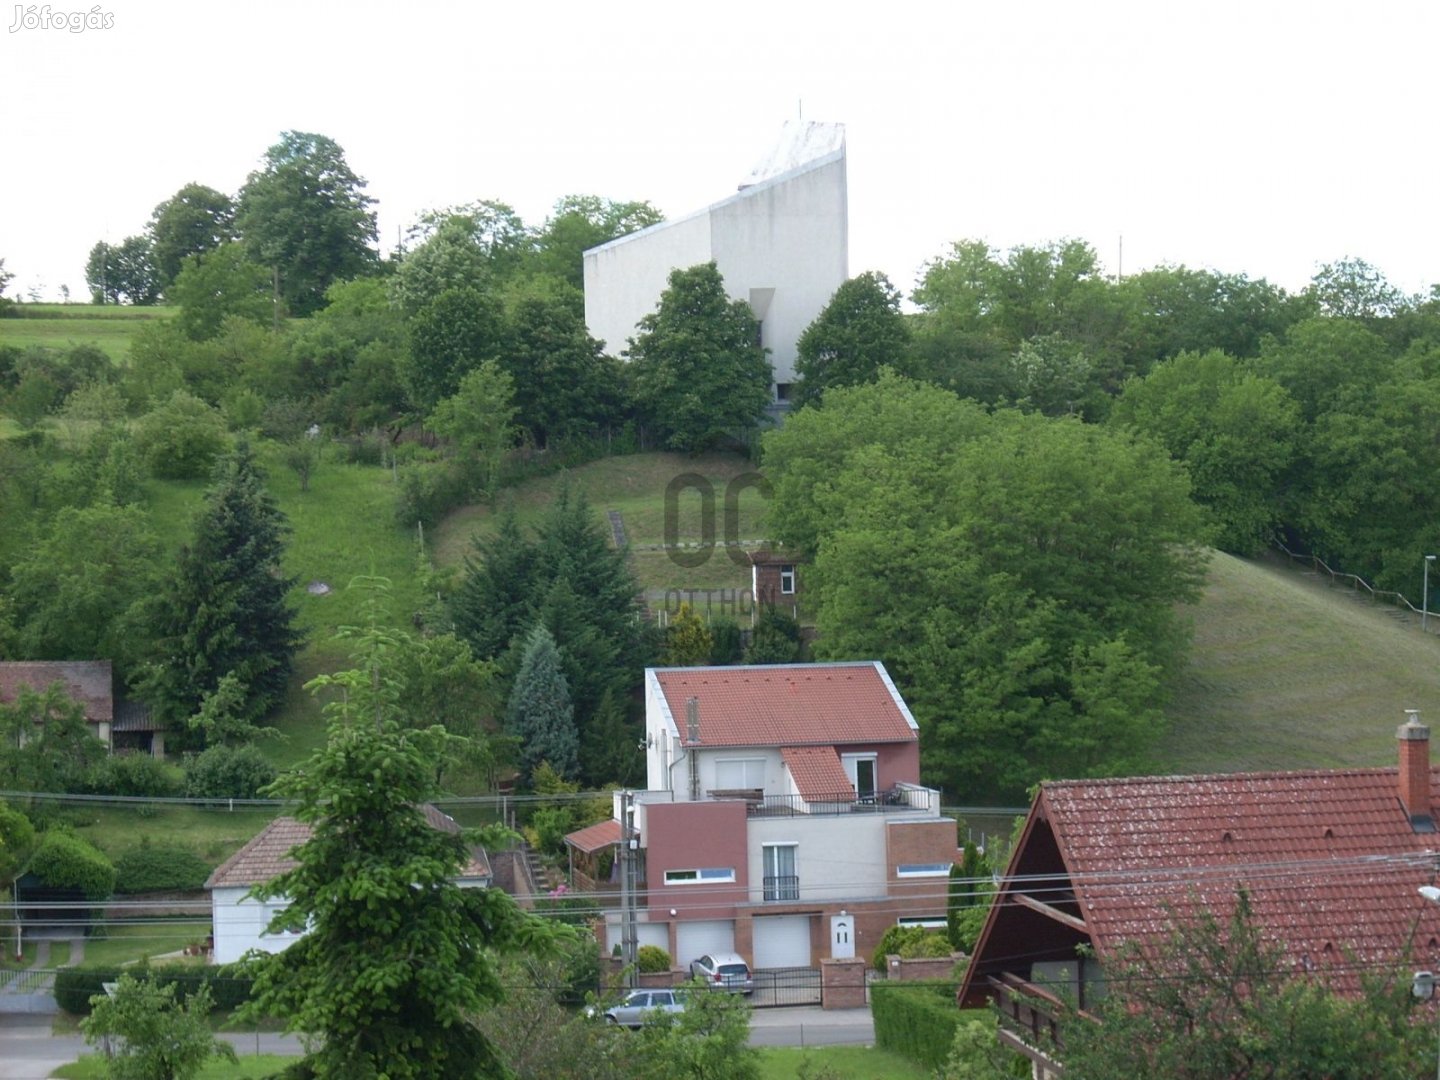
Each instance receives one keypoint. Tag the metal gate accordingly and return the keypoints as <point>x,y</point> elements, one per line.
<point>785,986</point>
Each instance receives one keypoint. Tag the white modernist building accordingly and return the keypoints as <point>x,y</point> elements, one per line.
<point>781,243</point>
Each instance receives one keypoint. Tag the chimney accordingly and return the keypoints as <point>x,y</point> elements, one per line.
<point>1414,740</point>
<point>692,720</point>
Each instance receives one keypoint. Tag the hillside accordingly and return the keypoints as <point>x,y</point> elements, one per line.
<point>109,326</point>
<point>1287,672</point>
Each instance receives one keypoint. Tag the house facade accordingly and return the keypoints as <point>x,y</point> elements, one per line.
<point>239,921</point>
<point>783,817</point>
<point>781,243</point>
<point>1331,861</point>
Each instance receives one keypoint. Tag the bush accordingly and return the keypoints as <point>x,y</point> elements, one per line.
<point>652,958</point>
<point>228,772</point>
<point>135,775</point>
<point>429,491</point>
<point>726,644</point>
<point>75,986</point>
<point>153,867</point>
<point>64,861</point>
<point>182,438</point>
<point>917,1020</point>
<point>901,941</point>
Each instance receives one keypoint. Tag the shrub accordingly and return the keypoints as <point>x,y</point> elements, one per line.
<point>228,772</point>
<point>550,824</point>
<point>64,861</point>
<point>916,1019</point>
<point>182,438</point>
<point>431,490</point>
<point>75,986</point>
<point>901,941</point>
<point>136,775</point>
<point>726,644</point>
<point>153,867</point>
<point>652,958</point>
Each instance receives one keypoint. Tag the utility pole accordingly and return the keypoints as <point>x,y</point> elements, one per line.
<point>629,932</point>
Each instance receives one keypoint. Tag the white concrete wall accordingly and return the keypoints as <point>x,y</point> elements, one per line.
<point>781,245</point>
<point>838,858</point>
<point>239,924</point>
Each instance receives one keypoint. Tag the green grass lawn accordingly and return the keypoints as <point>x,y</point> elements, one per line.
<point>844,1062</point>
<point>1289,673</point>
<point>92,1067</point>
<point>134,942</point>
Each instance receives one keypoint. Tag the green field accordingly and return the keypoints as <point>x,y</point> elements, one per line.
<point>110,327</point>
<point>1288,673</point>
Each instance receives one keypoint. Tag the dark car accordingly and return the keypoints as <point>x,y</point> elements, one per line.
<point>723,971</point>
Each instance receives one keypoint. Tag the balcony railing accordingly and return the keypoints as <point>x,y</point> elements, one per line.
<point>782,887</point>
<point>902,798</point>
<point>1032,1020</point>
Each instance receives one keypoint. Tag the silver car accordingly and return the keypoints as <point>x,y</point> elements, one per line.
<point>640,1005</point>
<point>723,971</point>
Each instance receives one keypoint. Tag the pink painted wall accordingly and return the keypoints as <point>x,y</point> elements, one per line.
<point>688,836</point>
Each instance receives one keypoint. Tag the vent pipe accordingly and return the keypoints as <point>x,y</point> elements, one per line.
<point>692,732</point>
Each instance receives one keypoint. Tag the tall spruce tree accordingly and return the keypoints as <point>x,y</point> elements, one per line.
<point>225,611</point>
<point>540,713</point>
<point>495,600</point>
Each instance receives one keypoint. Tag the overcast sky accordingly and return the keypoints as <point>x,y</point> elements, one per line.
<point>1258,138</point>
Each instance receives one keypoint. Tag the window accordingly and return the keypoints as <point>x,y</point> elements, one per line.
<point>740,774</point>
<point>787,580</point>
<point>782,391</point>
<point>781,881</point>
<point>704,873</point>
<point>923,869</point>
<point>929,922</point>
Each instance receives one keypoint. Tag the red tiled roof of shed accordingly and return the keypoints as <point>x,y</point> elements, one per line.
<point>593,838</point>
<point>88,681</point>
<point>818,773</point>
<point>789,704</point>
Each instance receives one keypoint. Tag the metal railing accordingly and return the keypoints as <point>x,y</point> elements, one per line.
<point>1354,582</point>
<point>902,798</point>
<point>782,887</point>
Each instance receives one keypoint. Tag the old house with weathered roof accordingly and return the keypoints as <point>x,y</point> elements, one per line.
<point>1331,861</point>
<point>240,922</point>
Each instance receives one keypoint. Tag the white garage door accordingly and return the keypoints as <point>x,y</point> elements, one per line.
<point>645,934</point>
<point>701,938</point>
<point>782,941</point>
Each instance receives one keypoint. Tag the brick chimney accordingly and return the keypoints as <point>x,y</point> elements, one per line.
<point>1414,738</point>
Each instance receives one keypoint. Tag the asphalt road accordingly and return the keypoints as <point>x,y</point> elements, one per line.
<point>29,1052</point>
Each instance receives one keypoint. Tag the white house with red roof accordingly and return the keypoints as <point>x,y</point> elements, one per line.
<point>784,818</point>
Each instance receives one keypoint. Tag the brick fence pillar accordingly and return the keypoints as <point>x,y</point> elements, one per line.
<point>842,984</point>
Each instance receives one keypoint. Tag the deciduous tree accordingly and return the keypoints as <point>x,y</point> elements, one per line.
<point>156,1036</point>
<point>859,332</point>
<point>699,372</point>
<point>304,215</point>
<point>397,961</point>
<point>479,419</point>
<point>194,221</point>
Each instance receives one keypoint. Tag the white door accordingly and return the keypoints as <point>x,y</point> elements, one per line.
<point>782,941</point>
<point>701,937</point>
<point>842,937</point>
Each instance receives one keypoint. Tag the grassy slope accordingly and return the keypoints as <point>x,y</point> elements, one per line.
<point>61,325</point>
<point>1289,673</point>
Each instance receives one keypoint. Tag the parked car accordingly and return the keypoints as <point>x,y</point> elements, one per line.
<point>723,971</point>
<point>640,1005</point>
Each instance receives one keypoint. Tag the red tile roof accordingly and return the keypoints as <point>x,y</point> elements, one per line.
<point>818,774</point>
<point>267,853</point>
<point>593,838</point>
<point>1329,859</point>
<point>87,681</point>
<point>789,704</point>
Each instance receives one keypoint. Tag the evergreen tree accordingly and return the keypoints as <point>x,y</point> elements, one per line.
<point>494,601</point>
<point>613,746</point>
<point>225,611</point>
<point>775,639</point>
<point>540,713</point>
<point>688,642</point>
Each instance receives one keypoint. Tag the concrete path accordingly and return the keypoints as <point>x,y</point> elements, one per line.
<point>811,1026</point>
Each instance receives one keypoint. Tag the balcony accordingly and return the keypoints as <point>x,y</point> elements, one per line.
<point>782,887</point>
<point>900,799</point>
<point>1032,1021</point>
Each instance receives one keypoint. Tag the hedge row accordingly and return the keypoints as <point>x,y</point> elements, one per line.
<point>916,1019</point>
<point>229,983</point>
<point>159,867</point>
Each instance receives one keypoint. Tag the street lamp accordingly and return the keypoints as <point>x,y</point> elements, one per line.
<point>1425,595</point>
<point>1423,984</point>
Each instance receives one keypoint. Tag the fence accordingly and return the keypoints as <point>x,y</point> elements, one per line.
<point>1356,583</point>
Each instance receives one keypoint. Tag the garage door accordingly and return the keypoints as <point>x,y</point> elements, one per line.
<point>703,937</point>
<point>645,934</point>
<point>782,941</point>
